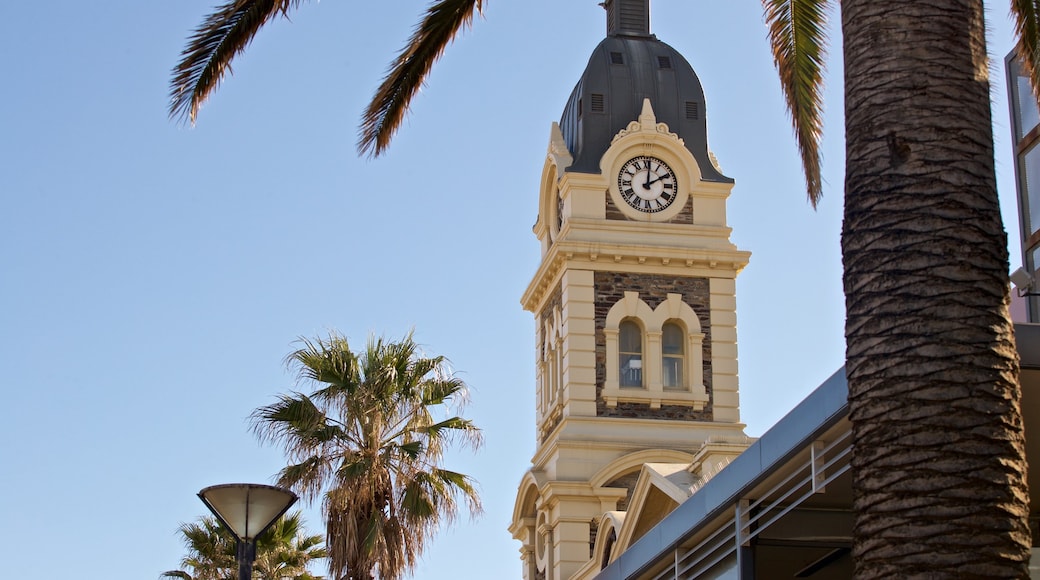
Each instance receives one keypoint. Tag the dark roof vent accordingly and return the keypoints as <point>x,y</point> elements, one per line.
<point>628,17</point>
<point>664,62</point>
<point>617,58</point>
<point>597,105</point>
<point>691,110</point>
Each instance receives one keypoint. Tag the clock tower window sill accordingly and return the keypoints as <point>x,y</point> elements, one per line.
<point>677,397</point>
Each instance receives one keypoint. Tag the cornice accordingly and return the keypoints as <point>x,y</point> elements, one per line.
<point>670,434</point>
<point>686,256</point>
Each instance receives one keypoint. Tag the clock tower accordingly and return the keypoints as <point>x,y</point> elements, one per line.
<point>634,301</point>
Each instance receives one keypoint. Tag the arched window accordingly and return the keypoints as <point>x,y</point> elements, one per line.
<point>672,355</point>
<point>630,354</point>
<point>658,350</point>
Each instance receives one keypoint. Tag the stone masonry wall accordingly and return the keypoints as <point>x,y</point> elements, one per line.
<point>683,217</point>
<point>653,289</point>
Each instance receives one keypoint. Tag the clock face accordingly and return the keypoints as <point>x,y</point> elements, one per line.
<point>647,184</point>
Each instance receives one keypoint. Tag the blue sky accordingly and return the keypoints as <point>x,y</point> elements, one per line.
<point>154,276</point>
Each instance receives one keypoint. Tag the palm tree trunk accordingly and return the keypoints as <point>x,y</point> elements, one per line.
<point>939,455</point>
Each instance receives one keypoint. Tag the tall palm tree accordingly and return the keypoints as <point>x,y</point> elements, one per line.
<point>283,551</point>
<point>938,447</point>
<point>369,440</point>
<point>227,32</point>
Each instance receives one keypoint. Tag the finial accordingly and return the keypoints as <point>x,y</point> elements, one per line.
<point>647,118</point>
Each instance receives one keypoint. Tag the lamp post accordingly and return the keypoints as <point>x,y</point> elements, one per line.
<point>247,510</point>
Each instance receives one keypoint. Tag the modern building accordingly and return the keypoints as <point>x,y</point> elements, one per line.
<point>642,468</point>
<point>783,508</point>
<point>1025,134</point>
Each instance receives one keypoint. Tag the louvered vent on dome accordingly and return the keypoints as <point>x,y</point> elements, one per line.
<point>691,110</point>
<point>628,17</point>
<point>632,16</point>
<point>597,103</point>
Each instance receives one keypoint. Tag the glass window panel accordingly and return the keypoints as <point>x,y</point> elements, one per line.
<point>1028,114</point>
<point>672,339</point>
<point>631,370</point>
<point>672,359</point>
<point>1031,163</point>
<point>1032,261</point>
<point>631,339</point>
<point>630,351</point>
<point>673,371</point>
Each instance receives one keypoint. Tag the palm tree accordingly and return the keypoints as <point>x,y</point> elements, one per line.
<point>211,552</point>
<point>368,443</point>
<point>283,552</point>
<point>938,447</point>
<point>232,26</point>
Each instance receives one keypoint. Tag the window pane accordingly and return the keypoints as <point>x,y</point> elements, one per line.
<point>672,371</point>
<point>1028,115</point>
<point>671,339</point>
<point>630,350</point>
<point>630,339</point>
<point>672,348</point>
<point>1031,163</point>
<point>631,370</point>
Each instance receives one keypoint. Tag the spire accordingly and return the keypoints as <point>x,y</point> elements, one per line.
<point>627,17</point>
<point>647,118</point>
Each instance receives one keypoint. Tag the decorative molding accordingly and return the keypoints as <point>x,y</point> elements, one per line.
<point>558,152</point>
<point>714,161</point>
<point>713,263</point>
<point>647,123</point>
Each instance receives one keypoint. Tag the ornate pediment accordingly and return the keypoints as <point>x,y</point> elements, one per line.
<point>647,123</point>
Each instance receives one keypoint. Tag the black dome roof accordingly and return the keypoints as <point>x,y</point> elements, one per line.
<point>623,70</point>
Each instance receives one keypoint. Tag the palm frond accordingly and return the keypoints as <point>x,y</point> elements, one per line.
<point>1026,16</point>
<point>306,477</point>
<point>297,422</point>
<point>407,74</point>
<point>450,426</point>
<point>798,39</point>
<point>437,392</point>
<point>416,499</point>
<point>328,361</point>
<point>412,449</point>
<point>212,47</point>
<point>354,467</point>
<point>461,484</point>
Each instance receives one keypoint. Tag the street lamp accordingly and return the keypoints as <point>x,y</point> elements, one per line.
<point>247,510</point>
